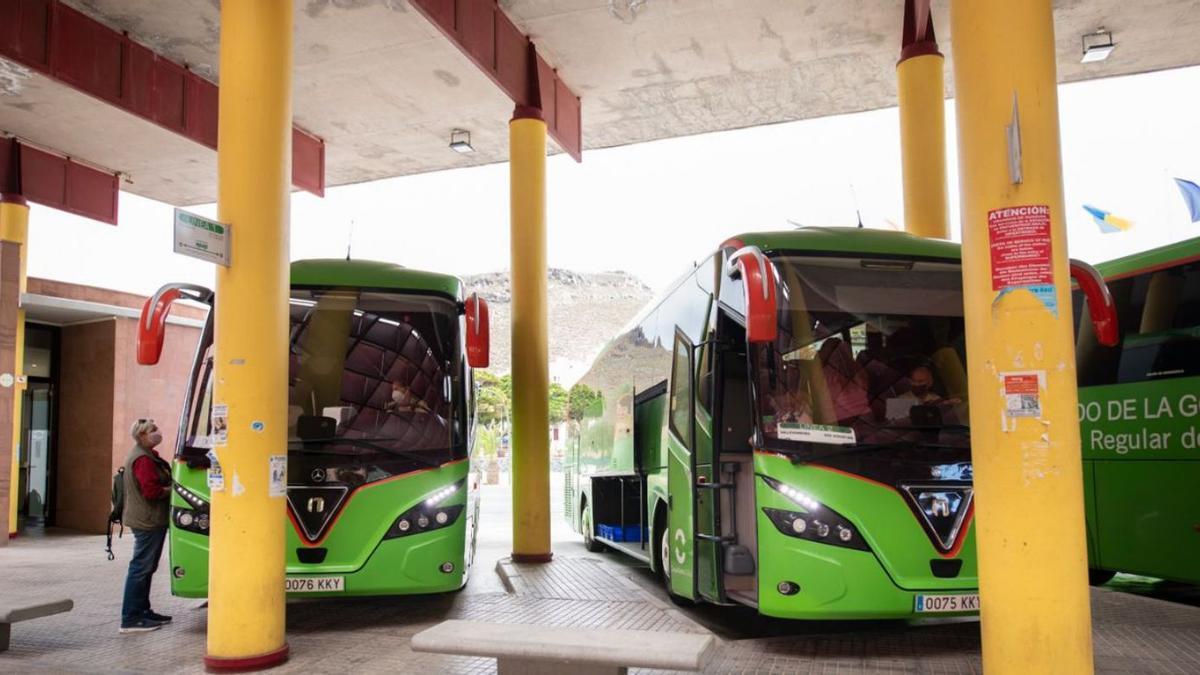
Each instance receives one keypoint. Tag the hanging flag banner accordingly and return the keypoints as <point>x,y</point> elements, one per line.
<point>1019,238</point>
<point>1106,221</point>
<point>1191,195</point>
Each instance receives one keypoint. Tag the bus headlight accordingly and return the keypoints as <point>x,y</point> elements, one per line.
<point>817,522</point>
<point>429,514</point>
<point>194,516</point>
<point>189,520</point>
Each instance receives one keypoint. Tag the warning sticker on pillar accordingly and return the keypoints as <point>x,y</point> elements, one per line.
<point>1021,252</point>
<point>220,424</point>
<point>216,478</point>
<point>278,478</point>
<point>1023,393</point>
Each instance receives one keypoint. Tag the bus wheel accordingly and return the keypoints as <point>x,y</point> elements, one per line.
<point>589,541</point>
<point>1098,577</point>
<point>664,567</point>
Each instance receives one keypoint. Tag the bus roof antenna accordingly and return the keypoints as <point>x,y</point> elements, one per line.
<point>349,240</point>
<point>857,212</point>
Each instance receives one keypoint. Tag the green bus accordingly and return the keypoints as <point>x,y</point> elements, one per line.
<point>382,497</point>
<point>787,428</point>
<point>1139,410</point>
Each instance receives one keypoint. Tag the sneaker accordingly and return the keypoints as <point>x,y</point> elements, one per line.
<point>155,616</point>
<point>141,626</point>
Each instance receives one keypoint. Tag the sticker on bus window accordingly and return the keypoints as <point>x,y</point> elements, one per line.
<point>277,487</point>
<point>815,433</point>
<point>1022,393</point>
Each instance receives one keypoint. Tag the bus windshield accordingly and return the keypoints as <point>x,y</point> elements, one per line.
<point>870,352</point>
<point>375,385</point>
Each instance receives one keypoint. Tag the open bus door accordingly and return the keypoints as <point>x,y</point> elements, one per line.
<point>698,561</point>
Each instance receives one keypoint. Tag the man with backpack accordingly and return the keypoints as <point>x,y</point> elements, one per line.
<point>147,483</point>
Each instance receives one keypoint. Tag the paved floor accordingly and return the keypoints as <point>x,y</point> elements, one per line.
<point>1132,634</point>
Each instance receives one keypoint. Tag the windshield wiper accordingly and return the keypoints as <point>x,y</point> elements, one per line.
<point>364,443</point>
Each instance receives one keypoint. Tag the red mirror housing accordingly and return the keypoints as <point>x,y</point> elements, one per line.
<point>152,324</point>
<point>478,332</point>
<point>762,304</point>
<point>1099,302</point>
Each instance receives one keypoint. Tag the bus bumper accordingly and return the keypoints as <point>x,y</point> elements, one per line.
<point>834,583</point>
<point>401,566</point>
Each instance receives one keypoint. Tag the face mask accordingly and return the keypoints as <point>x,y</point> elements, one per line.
<point>920,389</point>
<point>154,438</point>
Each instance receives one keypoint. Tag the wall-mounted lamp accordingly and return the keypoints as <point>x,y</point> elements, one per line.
<point>460,141</point>
<point>1097,46</point>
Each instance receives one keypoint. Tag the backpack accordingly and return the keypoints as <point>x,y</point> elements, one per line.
<point>116,515</point>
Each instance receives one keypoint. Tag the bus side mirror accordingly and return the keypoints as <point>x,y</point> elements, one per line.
<point>152,324</point>
<point>478,332</point>
<point>1099,302</point>
<point>758,279</point>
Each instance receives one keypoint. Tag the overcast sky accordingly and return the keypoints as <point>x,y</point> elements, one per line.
<point>652,209</point>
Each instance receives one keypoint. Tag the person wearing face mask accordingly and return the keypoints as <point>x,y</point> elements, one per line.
<point>147,498</point>
<point>403,400</point>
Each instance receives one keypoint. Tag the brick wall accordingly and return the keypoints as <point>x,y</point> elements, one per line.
<point>85,425</point>
<point>103,390</point>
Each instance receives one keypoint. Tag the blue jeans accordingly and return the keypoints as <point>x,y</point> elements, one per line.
<point>147,548</point>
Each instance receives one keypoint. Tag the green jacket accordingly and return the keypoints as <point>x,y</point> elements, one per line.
<point>141,513</point>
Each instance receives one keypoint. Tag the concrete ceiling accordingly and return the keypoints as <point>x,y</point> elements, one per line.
<point>384,88</point>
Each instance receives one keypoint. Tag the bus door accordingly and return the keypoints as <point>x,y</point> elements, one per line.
<point>711,491</point>
<point>678,545</point>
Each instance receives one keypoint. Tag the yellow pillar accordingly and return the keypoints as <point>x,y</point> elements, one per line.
<point>530,355</point>
<point>14,229</point>
<point>923,144</point>
<point>1030,537</point>
<point>246,556</point>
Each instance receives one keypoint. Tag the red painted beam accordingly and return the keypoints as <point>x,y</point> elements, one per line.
<point>918,38</point>
<point>494,43</point>
<point>71,47</point>
<point>57,181</point>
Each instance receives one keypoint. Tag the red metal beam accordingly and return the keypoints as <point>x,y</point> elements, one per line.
<point>71,47</point>
<point>918,38</point>
<point>57,181</point>
<point>494,43</point>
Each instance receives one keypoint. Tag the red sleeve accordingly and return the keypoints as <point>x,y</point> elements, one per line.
<point>148,479</point>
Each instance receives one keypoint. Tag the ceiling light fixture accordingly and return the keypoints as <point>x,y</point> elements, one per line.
<point>460,141</point>
<point>1097,46</point>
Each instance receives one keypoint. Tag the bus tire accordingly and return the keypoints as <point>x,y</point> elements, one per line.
<point>663,550</point>
<point>1099,577</point>
<point>589,530</point>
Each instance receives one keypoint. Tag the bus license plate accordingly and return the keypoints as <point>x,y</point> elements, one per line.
<point>315,584</point>
<point>934,604</point>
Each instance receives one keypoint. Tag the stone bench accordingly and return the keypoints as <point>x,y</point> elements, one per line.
<point>10,614</point>
<point>541,650</point>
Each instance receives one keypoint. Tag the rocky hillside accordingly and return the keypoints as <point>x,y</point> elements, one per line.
<point>586,311</point>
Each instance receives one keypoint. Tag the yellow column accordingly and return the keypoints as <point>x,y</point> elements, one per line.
<point>1030,537</point>
<point>923,144</point>
<point>246,556</point>
<point>14,229</point>
<point>530,355</point>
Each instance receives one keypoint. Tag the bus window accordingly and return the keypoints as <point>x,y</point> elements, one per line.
<point>196,438</point>
<point>1160,325</point>
<point>376,385</point>
<point>865,354</point>
<point>681,391</point>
